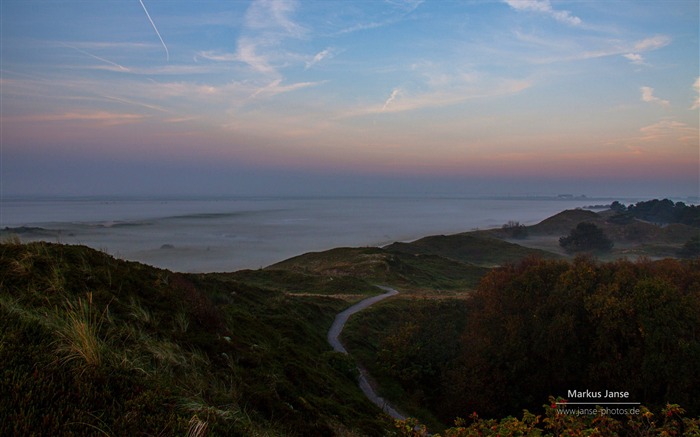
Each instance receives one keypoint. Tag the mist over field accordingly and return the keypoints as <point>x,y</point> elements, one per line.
<point>204,235</point>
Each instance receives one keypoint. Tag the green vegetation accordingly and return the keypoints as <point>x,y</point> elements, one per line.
<point>586,237</point>
<point>663,212</point>
<point>406,345</point>
<point>538,328</point>
<point>471,248</point>
<point>515,229</point>
<point>412,271</point>
<point>92,345</point>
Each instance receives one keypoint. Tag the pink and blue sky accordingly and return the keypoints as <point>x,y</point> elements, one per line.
<point>350,97</point>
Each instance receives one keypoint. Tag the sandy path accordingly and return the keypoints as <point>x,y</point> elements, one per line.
<point>334,341</point>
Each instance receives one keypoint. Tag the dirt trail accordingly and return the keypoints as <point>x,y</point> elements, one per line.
<point>334,341</point>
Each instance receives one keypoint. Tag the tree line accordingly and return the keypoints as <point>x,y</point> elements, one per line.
<point>658,211</point>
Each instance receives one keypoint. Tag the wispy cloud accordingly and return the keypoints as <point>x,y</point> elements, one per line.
<point>635,58</point>
<point>107,61</point>
<point>543,6</point>
<point>391,98</point>
<point>665,130</point>
<point>663,134</point>
<point>267,23</point>
<point>101,117</point>
<point>167,53</point>
<point>248,54</point>
<point>649,97</point>
<point>274,16</point>
<point>652,43</point>
<point>401,101</point>
<point>696,87</point>
<point>276,87</point>
<point>406,5</point>
<point>565,50</point>
<point>400,10</point>
<point>320,56</point>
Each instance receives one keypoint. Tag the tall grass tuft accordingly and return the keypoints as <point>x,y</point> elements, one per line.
<point>198,428</point>
<point>79,333</point>
<point>12,240</point>
<point>139,312</point>
<point>182,321</point>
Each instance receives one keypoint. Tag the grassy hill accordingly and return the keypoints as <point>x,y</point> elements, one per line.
<point>632,237</point>
<point>381,266</point>
<point>93,345</point>
<point>471,248</point>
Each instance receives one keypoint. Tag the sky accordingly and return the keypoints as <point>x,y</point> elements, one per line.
<point>266,97</point>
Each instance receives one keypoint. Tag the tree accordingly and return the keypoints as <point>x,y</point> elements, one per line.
<point>515,229</point>
<point>618,207</point>
<point>586,237</point>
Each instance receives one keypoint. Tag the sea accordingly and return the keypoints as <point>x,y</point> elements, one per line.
<point>235,233</point>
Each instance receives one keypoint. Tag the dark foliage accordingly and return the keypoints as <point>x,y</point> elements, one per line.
<point>546,327</point>
<point>661,211</point>
<point>90,345</point>
<point>586,237</point>
<point>515,229</point>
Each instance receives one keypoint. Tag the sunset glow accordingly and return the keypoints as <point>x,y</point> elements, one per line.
<point>228,94</point>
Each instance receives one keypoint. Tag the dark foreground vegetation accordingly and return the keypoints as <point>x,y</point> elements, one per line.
<point>92,345</point>
<point>540,328</point>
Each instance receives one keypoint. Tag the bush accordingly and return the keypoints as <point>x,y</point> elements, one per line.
<point>515,229</point>
<point>586,237</point>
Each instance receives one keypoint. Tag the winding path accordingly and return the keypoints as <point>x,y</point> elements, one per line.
<point>334,341</point>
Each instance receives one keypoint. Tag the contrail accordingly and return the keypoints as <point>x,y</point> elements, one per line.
<point>391,98</point>
<point>96,57</point>
<point>167,54</point>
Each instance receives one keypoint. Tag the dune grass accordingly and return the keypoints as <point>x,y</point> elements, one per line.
<point>121,348</point>
<point>78,333</point>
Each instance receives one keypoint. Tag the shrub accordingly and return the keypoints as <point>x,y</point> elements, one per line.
<point>586,237</point>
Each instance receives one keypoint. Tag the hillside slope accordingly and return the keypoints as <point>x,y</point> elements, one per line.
<point>471,248</point>
<point>90,344</point>
<point>380,266</point>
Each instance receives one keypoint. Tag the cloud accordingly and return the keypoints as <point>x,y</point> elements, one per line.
<point>543,6</point>
<point>320,56</point>
<point>440,97</point>
<point>247,53</point>
<point>100,117</point>
<point>400,9</point>
<point>669,130</point>
<point>275,16</point>
<point>395,93</point>
<point>266,24</point>
<point>696,87</point>
<point>659,136</point>
<point>645,45</point>
<point>275,87</point>
<point>649,97</point>
<point>406,5</point>
<point>635,58</point>
<point>652,43</point>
